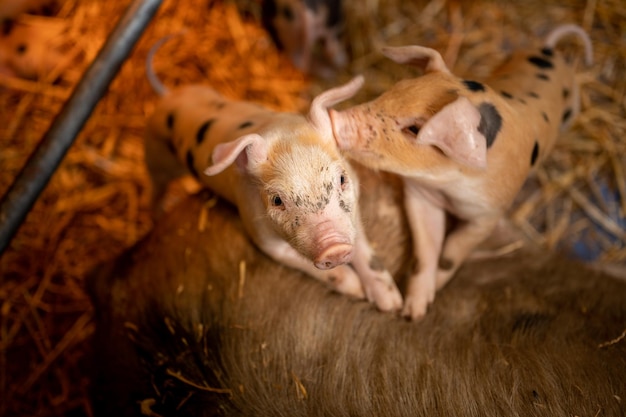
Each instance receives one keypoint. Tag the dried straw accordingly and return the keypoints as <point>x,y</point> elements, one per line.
<point>97,202</point>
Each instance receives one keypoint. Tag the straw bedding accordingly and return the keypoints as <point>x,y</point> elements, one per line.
<point>97,203</point>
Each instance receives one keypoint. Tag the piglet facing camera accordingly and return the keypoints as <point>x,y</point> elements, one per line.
<point>296,195</point>
<point>463,147</point>
<point>309,33</point>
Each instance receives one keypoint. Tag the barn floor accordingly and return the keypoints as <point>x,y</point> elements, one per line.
<point>97,203</point>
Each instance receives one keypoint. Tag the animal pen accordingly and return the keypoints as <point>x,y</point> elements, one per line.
<point>97,203</point>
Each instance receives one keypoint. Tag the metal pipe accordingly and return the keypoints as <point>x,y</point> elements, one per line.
<point>32,179</point>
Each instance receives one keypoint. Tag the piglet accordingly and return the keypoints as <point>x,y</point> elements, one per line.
<point>296,195</point>
<point>300,26</point>
<point>463,147</point>
<point>27,50</point>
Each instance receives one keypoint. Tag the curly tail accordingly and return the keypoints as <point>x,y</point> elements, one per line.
<point>155,82</point>
<point>555,36</point>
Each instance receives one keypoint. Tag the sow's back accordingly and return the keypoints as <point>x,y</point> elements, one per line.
<point>194,321</point>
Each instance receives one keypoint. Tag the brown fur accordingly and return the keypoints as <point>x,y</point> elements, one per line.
<point>179,316</point>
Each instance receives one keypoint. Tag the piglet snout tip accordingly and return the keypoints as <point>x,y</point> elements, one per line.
<point>334,256</point>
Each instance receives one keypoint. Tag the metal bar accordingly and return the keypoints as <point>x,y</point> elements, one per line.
<point>33,178</point>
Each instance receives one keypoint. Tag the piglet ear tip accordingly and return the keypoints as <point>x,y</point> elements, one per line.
<point>356,82</point>
<point>210,171</point>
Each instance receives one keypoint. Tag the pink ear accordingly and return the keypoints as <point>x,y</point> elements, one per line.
<point>427,59</point>
<point>225,154</point>
<point>318,114</point>
<point>454,130</point>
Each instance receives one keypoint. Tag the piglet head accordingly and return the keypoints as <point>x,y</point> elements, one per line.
<point>308,191</point>
<point>310,196</point>
<point>308,32</point>
<point>418,125</point>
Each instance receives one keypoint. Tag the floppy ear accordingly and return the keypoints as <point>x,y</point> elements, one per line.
<point>427,59</point>
<point>454,130</point>
<point>248,152</point>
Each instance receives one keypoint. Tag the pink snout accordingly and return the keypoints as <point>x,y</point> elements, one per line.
<point>333,256</point>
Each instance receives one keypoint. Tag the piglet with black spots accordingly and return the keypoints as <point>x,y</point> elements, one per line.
<point>463,147</point>
<point>296,195</point>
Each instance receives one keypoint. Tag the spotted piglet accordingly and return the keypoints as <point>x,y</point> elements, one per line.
<point>463,147</point>
<point>297,197</point>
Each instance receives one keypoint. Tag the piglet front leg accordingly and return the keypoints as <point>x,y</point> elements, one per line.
<point>427,223</point>
<point>460,242</point>
<point>378,284</point>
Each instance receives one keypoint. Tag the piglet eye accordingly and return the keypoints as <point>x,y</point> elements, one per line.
<point>411,130</point>
<point>277,201</point>
<point>343,180</point>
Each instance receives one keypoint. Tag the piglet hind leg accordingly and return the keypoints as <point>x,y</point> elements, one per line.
<point>460,243</point>
<point>378,284</point>
<point>342,278</point>
<point>427,223</point>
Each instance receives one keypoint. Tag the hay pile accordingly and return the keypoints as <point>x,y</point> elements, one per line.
<point>97,204</point>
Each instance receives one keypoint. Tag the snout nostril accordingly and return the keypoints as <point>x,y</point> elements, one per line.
<point>328,264</point>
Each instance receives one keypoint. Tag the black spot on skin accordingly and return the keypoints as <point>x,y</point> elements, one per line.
<point>202,130</point>
<point>21,48</point>
<point>566,115</point>
<point>540,62</point>
<point>547,52</point>
<point>565,93</point>
<point>376,264</point>
<point>474,85</point>
<point>535,154</point>
<point>506,95</point>
<point>7,27</point>
<point>543,77</point>
<point>329,187</point>
<point>445,264</point>
<point>533,94</point>
<point>525,322</point>
<point>170,121</point>
<point>490,122</point>
<point>190,164</point>
<point>345,207</point>
<point>545,116</point>
<point>245,125</point>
